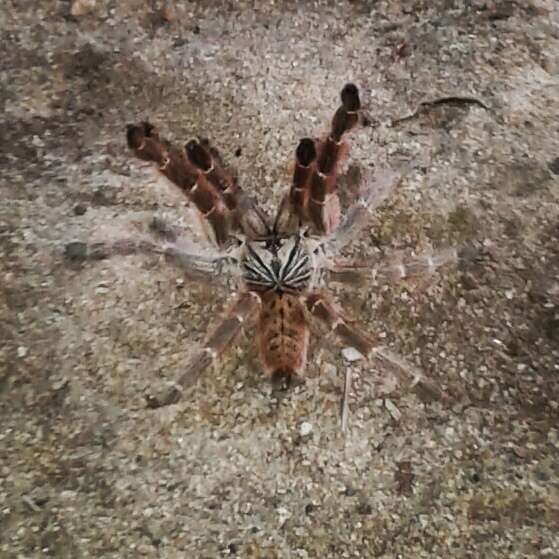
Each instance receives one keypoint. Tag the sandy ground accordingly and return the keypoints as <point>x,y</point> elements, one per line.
<point>87,471</point>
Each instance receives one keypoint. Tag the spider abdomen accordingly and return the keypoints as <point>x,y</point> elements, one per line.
<point>282,336</point>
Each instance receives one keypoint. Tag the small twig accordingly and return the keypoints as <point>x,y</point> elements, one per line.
<point>345,398</point>
<point>425,106</point>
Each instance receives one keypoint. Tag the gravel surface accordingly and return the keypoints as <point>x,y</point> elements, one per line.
<point>462,98</point>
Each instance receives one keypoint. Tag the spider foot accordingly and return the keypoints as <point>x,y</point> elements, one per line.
<point>166,397</point>
<point>284,379</point>
<point>163,230</point>
<point>75,251</point>
<point>474,253</point>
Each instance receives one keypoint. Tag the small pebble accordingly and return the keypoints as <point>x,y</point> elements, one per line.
<point>80,209</point>
<point>283,514</point>
<point>392,409</point>
<point>351,354</point>
<point>305,429</point>
<point>82,7</point>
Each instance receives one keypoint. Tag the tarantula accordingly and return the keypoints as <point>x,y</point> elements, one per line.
<point>280,266</point>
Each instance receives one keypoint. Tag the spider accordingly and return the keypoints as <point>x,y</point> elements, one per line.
<point>280,266</point>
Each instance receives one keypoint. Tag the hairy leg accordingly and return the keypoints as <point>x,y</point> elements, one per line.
<point>313,198</point>
<point>174,164</point>
<point>323,202</point>
<point>377,187</point>
<point>196,265</point>
<point>394,271</point>
<point>221,338</point>
<point>323,310</point>
<point>208,163</point>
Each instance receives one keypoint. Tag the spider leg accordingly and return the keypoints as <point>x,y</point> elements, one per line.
<point>162,229</point>
<point>312,198</point>
<point>176,167</point>
<point>243,212</point>
<point>422,266</point>
<point>294,206</point>
<point>221,338</point>
<point>196,265</point>
<point>245,215</point>
<point>419,267</point>
<point>376,188</point>
<point>208,163</point>
<point>323,201</point>
<point>322,309</point>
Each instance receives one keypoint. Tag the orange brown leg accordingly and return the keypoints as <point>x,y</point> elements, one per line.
<point>202,158</point>
<point>313,198</point>
<point>305,158</point>
<point>323,201</point>
<point>176,167</point>
<point>241,311</point>
<point>322,309</point>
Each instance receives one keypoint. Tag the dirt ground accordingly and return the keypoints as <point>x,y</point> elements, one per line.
<point>235,470</point>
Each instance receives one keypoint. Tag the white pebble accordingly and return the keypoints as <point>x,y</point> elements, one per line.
<point>21,351</point>
<point>305,428</point>
<point>351,354</point>
<point>392,409</point>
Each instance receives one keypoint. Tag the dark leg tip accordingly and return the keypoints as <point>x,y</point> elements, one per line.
<point>197,155</point>
<point>76,251</point>
<point>284,379</point>
<point>162,229</point>
<point>171,396</point>
<point>350,97</point>
<point>135,134</point>
<point>281,379</point>
<point>471,254</point>
<point>306,152</point>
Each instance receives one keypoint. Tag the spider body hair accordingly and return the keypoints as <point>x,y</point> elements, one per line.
<point>283,337</point>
